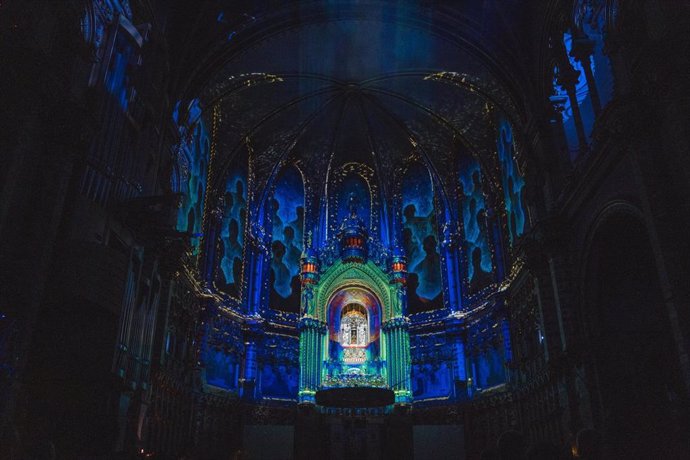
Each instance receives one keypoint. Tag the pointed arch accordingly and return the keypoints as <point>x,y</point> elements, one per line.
<point>354,178</point>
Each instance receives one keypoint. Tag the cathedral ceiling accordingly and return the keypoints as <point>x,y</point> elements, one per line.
<point>327,83</point>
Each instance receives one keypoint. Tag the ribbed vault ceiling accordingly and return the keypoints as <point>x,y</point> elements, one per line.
<point>326,83</point>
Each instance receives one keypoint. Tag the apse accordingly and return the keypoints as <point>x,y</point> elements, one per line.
<point>344,229</point>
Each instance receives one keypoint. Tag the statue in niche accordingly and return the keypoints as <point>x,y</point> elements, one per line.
<point>346,333</point>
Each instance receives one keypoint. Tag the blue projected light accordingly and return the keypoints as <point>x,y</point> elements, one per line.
<point>488,368</point>
<point>279,381</point>
<point>232,232</point>
<point>420,241</point>
<point>117,79</point>
<point>478,254</point>
<point>287,208</point>
<point>592,21</point>
<point>193,164</point>
<point>221,369</point>
<point>513,182</point>
<point>356,186</point>
<point>431,380</point>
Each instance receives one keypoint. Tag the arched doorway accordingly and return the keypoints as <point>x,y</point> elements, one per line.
<point>636,380</point>
<point>354,345</point>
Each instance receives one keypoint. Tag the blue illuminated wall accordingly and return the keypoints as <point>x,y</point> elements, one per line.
<point>222,368</point>
<point>593,21</point>
<point>473,204</point>
<point>488,369</point>
<point>279,381</point>
<point>222,353</point>
<point>432,367</point>
<point>356,186</point>
<point>431,380</point>
<point>118,75</point>
<point>231,245</point>
<point>279,368</point>
<point>513,182</point>
<point>193,155</point>
<point>582,96</point>
<point>420,241</point>
<point>287,217</point>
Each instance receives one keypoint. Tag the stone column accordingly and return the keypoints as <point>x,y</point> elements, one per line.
<point>312,332</point>
<point>398,360</point>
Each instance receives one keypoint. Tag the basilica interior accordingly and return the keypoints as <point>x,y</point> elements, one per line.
<point>344,229</point>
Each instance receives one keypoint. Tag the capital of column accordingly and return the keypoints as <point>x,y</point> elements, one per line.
<point>396,323</point>
<point>311,323</point>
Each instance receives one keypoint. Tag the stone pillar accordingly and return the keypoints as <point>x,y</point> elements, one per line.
<point>312,332</point>
<point>398,359</point>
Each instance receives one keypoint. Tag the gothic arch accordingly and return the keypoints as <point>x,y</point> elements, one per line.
<point>625,317</point>
<point>366,276</point>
